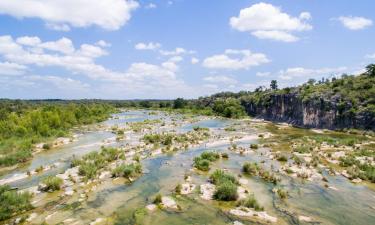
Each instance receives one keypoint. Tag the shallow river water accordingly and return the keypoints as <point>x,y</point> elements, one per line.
<point>125,203</point>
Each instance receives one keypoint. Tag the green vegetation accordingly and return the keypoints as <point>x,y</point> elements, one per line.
<point>356,169</point>
<point>12,202</point>
<point>250,168</point>
<point>230,108</point>
<point>251,202</point>
<point>282,193</point>
<point>253,146</point>
<point>127,171</point>
<point>157,199</point>
<point>178,189</point>
<point>91,163</point>
<point>203,161</point>
<point>254,169</point>
<point>23,124</point>
<point>226,186</point>
<point>52,183</point>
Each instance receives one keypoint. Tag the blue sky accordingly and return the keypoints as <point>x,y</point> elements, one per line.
<point>118,49</point>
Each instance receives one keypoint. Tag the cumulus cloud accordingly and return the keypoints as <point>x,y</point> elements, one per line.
<point>235,60</point>
<point>147,46</point>
<point>220,79</point>
<point>176,51</point>
<point>355,23</point>
<point>157,80</point>
<point>266,21</point>
<point>8,68</point>
<point>194,60</point>
<point>61,14</point>
<point>300,72</point>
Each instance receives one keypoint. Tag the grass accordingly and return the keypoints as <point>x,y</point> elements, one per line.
<point>203,161</point>
<point>226,186</point>
<point>127,171</point>
<point>251,202</point>
<point>52,183</point>
<point>157,199</point>
<point>250,168</point>
<point>13,203</point>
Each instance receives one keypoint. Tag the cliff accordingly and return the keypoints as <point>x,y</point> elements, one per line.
<point>312,113</point>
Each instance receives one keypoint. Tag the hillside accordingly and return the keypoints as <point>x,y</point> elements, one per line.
<point>338,103</point>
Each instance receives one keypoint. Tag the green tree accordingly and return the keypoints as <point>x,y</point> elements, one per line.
<point>179,103</point>
<point>273,85</point>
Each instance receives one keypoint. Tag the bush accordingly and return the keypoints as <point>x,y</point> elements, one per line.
<point>157,199</point>
<point>52,183</point>
<point>282,193</point>
<point>12,202</point>
<point>46,146</point>
<point>282,158</point>
<point>224,155</point>
<point>254,146</point>
<point>201,164</point>
<point>219,176</point>
<point>251,202</point>
<point>250,168</point>
<point>127,171</point>
<point>226,191</point>
<point>178,189</point>
<point>211,156</point>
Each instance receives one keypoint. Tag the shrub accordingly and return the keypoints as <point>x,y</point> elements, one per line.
<point>250,168</point>
<point>178,189</point>
<point>157,199</point>
<point>282,158</point>
<point>52,183</point>
<point>127,171</point>
<point>12,202</point>
<point>226,191</point>
<point>253,146</point>
<point>224,155</point>
<point>211,156</point>
<point>282,193</point>
<point>46,146</point>
<point>251,202</point>
<point>219,176</point>
<point>201,164</point>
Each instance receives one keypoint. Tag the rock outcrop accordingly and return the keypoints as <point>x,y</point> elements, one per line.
<point>314,113</point>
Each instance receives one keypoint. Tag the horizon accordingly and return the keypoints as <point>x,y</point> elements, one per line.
<point>148,50</point>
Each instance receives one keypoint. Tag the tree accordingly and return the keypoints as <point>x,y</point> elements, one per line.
<point>273,85</point>
<point>179,103</point>
<point>370,70</point>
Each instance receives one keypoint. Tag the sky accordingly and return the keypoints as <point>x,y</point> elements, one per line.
<point>141,49</point>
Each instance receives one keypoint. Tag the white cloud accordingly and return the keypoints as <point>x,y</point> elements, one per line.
<point>176,51</point>
<point>194,60</point>
<point>275,35</point>
<point>266,21</point>
<point>59,82</point>
<point>220,79</point>
<point>235,60</point>
<point>150,6</point>
<point>140,79</point>
<point>355,23</point>
<point>300,72</point>
<point>60,14</point>
<point>263,74</point>
<point>7,68</point>
<point>102,43</point>
<point>63,45</point>
<point>370,56</point>
<point>58,27</point>
<point>26,40</point>
<point>147,46</point>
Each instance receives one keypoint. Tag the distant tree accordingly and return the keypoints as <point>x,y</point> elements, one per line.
<point>370,70</point>
<point>145,104</point>
<point>179,103</point>
<point>311,81</point>
<point>273,85</point>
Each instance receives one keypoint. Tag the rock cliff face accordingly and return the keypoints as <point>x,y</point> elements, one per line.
<point>317,113</point>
